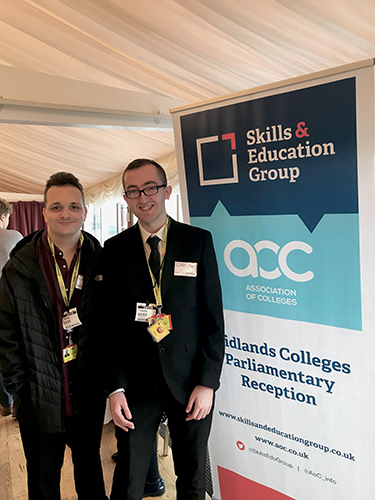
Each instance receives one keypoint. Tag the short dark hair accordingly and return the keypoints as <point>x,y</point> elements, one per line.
<point>5,207</point>
<point>141,162</point>
<point>63,179</point>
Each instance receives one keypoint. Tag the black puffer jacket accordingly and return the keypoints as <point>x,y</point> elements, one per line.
<point>30,355</point>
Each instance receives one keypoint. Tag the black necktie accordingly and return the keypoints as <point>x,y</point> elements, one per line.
<point>154,259</point>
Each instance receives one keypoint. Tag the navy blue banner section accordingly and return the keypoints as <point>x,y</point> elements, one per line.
<point>291,153</point>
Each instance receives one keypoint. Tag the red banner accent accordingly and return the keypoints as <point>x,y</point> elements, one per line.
<point>236,487</point>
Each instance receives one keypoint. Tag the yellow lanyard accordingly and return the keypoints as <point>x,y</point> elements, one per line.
<point>157,286</point>
<point>59,275</point>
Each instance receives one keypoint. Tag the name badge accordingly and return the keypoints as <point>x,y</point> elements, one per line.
<point>70,319</point>
<point>144,311</point>
<point>79,282</point>
<point>185,269</point>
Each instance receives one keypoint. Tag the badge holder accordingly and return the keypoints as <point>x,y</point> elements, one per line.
<point>160,326</point>
<point>70,321</point>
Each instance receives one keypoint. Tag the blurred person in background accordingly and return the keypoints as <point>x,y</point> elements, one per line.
<point>8,239</point>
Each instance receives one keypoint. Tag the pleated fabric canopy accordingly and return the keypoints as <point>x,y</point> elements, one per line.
<point>186,50</point>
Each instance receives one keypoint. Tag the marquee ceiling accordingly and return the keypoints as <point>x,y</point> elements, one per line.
<point>182,49</point>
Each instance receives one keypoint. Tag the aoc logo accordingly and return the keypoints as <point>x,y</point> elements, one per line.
<point>215,138</point>
<point>254,269</point>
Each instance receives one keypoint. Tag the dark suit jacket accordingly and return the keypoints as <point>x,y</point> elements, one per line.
<point>192,354</point>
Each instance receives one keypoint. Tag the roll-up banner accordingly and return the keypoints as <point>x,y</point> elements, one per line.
<point>283,177</point>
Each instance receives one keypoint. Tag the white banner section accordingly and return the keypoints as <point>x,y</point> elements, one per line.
<point>283,177</point>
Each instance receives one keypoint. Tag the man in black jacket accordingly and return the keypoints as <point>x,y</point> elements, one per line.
<point>165,342</point>
<point>47,354</point>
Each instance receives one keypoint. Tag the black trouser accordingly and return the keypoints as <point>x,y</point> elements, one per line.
<point>153,473</point>
<point>45,457</point>
<point>189,441</point>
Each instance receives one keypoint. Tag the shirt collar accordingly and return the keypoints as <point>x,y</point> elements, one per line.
<point>145,234</point>
<point>57,249</point>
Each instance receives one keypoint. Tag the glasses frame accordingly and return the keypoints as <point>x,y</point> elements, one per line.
<point>140,191</point>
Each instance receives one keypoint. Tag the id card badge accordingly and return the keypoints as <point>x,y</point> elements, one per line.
<point>70,319</point>
<point>70,352</point>
<point>144,311</point>
<point>160,326</point>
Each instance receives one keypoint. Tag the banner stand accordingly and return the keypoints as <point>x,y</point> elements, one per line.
<point>283,177</point>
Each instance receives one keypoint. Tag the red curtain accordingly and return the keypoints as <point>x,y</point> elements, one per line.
<point>27,217</point>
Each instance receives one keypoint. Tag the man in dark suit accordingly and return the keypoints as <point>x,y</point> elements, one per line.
<point>165,338</point>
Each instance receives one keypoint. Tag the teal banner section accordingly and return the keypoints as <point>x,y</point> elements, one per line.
<point>274,266</point>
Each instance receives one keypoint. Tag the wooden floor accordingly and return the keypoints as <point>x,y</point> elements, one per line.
<point>13,468</point>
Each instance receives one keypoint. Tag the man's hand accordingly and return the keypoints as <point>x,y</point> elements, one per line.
<point>119,408</point>
<point>200,403</point>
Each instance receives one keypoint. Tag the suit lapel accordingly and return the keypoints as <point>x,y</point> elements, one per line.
<point>170,256</point>
<point>140,262</point>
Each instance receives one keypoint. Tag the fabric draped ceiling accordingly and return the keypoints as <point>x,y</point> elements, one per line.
<point>112,188</point>
<point>183,49</point>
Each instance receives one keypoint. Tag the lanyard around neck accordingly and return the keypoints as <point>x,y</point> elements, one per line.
<point>157,285</point>
<point>59,275</point>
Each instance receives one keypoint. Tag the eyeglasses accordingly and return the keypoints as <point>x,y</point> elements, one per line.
<point>148,191</point>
